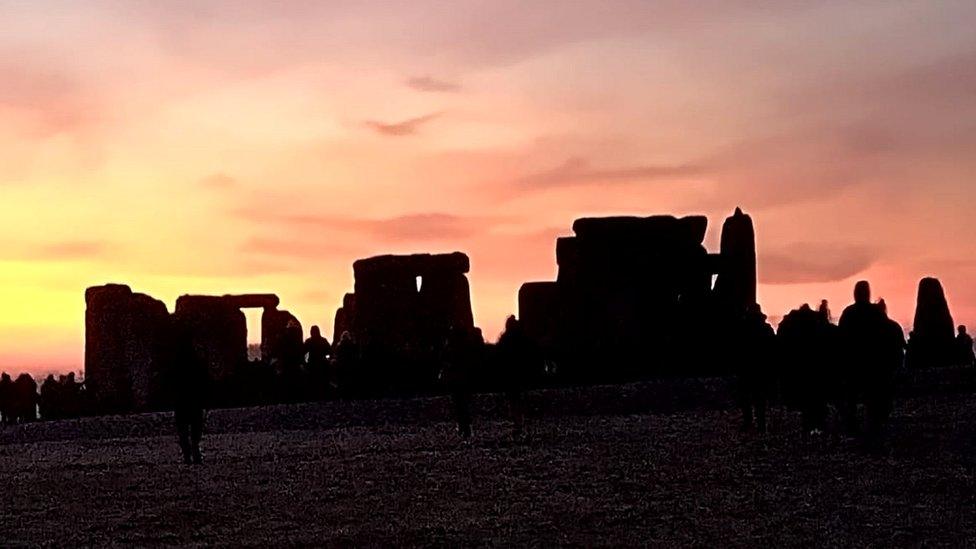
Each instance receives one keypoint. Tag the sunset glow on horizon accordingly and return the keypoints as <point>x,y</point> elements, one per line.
<point>236,147</point>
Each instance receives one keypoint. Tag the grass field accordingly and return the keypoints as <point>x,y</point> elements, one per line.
<point>393,472</point>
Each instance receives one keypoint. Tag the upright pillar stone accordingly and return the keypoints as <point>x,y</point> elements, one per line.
<point>539,310</point>
<point>736,284</point>
<point>126,349</point>
<point>344,317</point>
<point>281,338</point>
<point>933,332</point>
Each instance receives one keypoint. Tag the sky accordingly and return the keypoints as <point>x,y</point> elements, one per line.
<point>250,146</point>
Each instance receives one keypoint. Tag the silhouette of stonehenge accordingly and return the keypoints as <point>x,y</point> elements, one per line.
<point>129,339</point>
<point>633,292</point>
<point>635,297</point>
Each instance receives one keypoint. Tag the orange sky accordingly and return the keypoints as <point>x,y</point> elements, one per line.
<point>251,146</point>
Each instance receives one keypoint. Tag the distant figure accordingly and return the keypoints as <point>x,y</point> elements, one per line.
<point>25,398</point>
<point>964,348</point>
<point>868,342</point>
<point>317,349</point>
<point>515,358</point>
<point>6,399</point>
<point>293,348</point>
<point>317,353</point>
<point>70,396</point>
<point>49,404</point>
<point>753,349</point>
<point>191,381</point>
<point>824,311</point>
<point>346,360</point>
<point>807,341</point>
<point>879,394</point>
<point>460,357</point>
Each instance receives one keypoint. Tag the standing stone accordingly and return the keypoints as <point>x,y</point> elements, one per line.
<point>281,338</point>
<point>735,286</point>
<point>344,317</point>
<point>126,349</point>
<point>933,333</point>
<point>539,312</point>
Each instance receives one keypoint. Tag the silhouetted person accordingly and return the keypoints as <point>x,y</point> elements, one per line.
<point>868,339</point>
<point>50,401</point>
<point>753,348</point>
<point>807,343</point>
<point>317,353</point>
<point>460,356</point>
<point>515,356</point>
<point>25,398</point>
<point>288,363</point>
<point>964,348</point>
<point>70,396</point>
<point>317,348</point>
<point>6,398</point>
<point>346,362</point>
<point>879,392</point>
<point>190,393</point>
<point>824,311</point>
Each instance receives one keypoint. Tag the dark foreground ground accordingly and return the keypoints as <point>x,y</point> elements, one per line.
<point>314,475</point>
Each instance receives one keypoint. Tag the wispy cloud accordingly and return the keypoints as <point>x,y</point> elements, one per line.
<point>47,100</point>
<point>297,247</point>
<point>433,226</point>
<point>403,128</point>
<point>579,171</point>
<point>63,250</point>
<point>431,84</point>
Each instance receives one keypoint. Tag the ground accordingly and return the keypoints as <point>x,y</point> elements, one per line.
<point>310,475</point>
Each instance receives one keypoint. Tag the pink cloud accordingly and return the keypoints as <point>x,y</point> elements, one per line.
<point>431,84</point>
<point>403,128</point>
<point>578,171</point>
<point>64,250</point>
<point>807,263</point>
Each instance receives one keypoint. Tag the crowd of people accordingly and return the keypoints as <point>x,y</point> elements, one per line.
<point>61,397</point>
<point>57,398</point>
<point>814,365</point>
<point>18,399</point>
